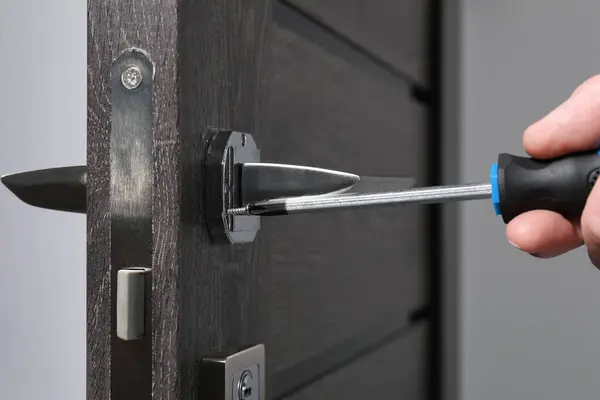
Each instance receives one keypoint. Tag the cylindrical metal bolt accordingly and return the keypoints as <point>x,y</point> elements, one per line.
<point>131,77</point>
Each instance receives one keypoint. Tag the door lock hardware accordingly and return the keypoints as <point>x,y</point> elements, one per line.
<point>133,294</point>
<point>234,374</point>
<point>60,189</point>
<point>123,170</point>
<point>238,188</point>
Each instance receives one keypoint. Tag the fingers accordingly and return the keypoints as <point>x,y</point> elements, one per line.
<point>573,126</point>
<point>590,225</point>
<point>544,234</point>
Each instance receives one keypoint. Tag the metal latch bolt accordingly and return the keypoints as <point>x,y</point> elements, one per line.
<point>132,289</point>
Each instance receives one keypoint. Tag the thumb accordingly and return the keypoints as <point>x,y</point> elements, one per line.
<point>590,225</point>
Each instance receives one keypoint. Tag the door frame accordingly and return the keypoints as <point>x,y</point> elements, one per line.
<point>448,61</point>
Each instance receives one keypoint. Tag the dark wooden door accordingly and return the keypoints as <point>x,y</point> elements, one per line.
<point>340,300</point>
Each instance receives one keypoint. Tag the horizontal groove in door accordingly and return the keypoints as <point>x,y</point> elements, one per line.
<point>326,278</point>
<point>396,32</point>
<point>311,370</point>
<point>294,18</point>
<point>397,370</point>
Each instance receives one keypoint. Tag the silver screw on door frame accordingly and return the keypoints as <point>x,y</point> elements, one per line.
<point>131,78</point>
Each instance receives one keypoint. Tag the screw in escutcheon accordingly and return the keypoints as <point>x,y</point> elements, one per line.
<point>131,78</point>
<point>245,385</point>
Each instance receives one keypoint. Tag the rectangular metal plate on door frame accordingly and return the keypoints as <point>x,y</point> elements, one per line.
<point>236,374</point>
<point>131,236</point>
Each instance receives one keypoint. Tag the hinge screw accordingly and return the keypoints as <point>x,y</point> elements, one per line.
<point>131,77</point>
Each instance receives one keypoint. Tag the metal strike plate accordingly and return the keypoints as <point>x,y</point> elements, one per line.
<point>237,374</point>
<point>131,185</point>
<point>222,187</point>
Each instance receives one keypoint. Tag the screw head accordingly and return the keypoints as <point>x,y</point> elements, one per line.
<point>131,78</point>
<point>245,385</point>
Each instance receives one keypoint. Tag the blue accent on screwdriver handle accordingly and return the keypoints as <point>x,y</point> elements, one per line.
<point>495,191</point>
<point>521,184</point>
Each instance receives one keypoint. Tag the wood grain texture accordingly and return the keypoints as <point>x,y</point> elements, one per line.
<point>223,75</point>
<point>395,31</point>
<point>326,278</point>
<point>397,371</point>
<point>209,68</point>
<point>112,28</point>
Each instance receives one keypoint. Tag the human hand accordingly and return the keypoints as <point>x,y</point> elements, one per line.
<point>571,127</point>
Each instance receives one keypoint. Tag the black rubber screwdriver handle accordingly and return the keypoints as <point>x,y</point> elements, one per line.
<point>561,185</point>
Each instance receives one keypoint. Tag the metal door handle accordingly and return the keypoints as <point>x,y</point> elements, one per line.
<point>238,188</point>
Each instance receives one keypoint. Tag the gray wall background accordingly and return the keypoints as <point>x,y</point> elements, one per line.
<point>530,329</point>
<point>42,253</point>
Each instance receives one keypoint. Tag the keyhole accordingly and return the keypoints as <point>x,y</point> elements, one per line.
<point>245,385</point>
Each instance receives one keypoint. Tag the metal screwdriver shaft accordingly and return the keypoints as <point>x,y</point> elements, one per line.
<point>311,204</point>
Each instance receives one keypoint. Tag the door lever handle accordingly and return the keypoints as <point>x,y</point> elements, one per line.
<point>60,189</point>
<point>64,188</point>
<point>238,188</point>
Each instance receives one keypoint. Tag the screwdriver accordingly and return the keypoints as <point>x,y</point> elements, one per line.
<point>517,185</point>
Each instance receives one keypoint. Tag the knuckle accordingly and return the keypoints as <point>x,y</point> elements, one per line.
<point>592,83</point>
<point>590,218</point>
<point>590,227</point>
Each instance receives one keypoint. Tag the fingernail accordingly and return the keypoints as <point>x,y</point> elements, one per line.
<point>539,255</point>
<point>536,255</point>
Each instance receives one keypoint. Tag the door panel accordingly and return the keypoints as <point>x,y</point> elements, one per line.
<point>395,31</point>
<point>396,371</point>
<point>328,277</point>
<point>320,291</point>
